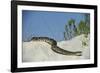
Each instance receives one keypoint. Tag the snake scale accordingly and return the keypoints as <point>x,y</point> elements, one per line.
<point>54,46</point>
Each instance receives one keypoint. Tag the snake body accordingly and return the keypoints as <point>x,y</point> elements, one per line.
<point>54,46</point>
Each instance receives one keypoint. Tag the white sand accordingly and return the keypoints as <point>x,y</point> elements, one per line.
<point>41,51</point>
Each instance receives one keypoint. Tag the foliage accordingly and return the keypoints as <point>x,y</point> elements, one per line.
<point>65,37</point>
<point>71,30</point>
<point>83,28</point>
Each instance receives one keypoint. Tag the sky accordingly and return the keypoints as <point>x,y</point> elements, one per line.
<point>46,23</point>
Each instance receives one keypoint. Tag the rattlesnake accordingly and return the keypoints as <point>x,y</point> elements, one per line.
<point>54,46</point>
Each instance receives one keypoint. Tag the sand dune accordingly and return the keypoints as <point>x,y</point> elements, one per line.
<point>41,51</point>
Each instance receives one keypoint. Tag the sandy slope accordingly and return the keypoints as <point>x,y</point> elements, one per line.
<point>41,51</point>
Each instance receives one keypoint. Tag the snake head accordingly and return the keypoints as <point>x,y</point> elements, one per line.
<point>79,53</point>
